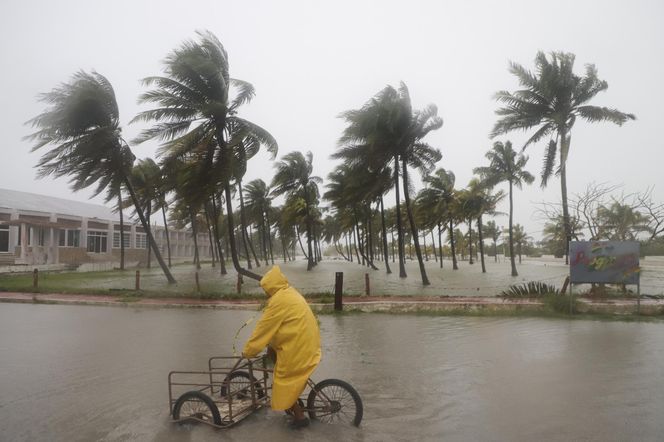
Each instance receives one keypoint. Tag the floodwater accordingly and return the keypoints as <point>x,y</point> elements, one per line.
<point>467,281</point>
<point>81,373</point>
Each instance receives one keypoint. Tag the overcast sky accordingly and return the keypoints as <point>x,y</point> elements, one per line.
<point>311,60</point>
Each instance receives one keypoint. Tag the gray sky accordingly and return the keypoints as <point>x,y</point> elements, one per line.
<point>311,60</point>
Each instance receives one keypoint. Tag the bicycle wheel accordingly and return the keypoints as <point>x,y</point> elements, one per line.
<point>238,384</point>
<point>333,400</point>
<point>196,405</point>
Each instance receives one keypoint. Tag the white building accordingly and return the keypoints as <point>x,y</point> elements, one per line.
<point>38,229</point>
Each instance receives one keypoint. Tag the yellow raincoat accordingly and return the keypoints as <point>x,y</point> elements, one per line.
<point>291,329</point>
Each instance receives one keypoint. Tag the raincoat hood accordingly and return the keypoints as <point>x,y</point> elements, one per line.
<point>273,281</point>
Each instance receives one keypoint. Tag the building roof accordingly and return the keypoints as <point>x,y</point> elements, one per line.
<point>13,199</point>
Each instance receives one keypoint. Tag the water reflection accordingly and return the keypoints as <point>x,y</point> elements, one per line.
<point>98,373</point>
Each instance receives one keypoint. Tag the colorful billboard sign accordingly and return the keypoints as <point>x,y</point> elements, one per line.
<point>610,262</point>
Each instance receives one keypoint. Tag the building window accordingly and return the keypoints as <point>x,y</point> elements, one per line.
<point>116,240</point>
<point>69,238</point>
<point>97,241</point>
<point>141,241</point>
<point>36,236</point>
<point>4,239</point>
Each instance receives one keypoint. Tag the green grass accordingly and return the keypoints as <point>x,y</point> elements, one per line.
<point>485,313</point>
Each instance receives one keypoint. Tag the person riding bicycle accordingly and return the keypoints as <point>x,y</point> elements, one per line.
<point>290,328</point>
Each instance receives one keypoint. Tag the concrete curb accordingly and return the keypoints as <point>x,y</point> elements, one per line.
<point>451,305</point>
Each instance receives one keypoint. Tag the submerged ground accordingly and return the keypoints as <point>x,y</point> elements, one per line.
<point>467,281</point>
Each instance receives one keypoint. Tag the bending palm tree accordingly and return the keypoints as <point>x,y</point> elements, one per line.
<point>197,115</point>
<point>480,201</point>
<point>294,177</point>
<point>439,197</point>
<point>259,205</point>
<point>82,125</point>
<point>388,129</point>
<point>551,100</point>
<point>505,165</point>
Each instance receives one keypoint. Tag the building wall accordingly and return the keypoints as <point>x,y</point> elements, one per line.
<point>182,245</point>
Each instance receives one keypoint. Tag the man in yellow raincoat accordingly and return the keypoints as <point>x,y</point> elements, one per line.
<point>290,328</point>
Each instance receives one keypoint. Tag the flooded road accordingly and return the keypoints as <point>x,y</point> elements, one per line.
<point>78,373</point>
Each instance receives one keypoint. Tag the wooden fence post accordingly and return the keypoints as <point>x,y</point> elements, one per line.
<point>338,291</point>
<point>238,285</point>
<point>35,279</point>
<point>138,280</point>
<point>367,286</point>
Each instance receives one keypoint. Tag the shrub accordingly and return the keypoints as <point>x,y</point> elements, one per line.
<point>530,289</point>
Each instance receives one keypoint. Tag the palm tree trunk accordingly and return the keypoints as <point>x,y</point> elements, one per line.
<point>354,244</point>
<point>433,246</point>
<point>209,231</point>
<point>122,248</point>
<point>479,233</point>
<point>216,212</point>
<point>147,215</point>
<point>164,268</point>
<point>194,231</point>
<point>251,246</point>
<point>284,248</point>
<point>454,260</point>
<point>385,252</point>
<point>299,240</point>
<point>168,239</point>
<point>231,233</point>
<point>262,235</point>
<point>310,258</point>
<point>514,272</point>
<point>470,241</point>
<point>370,245</point>
<point>243,226</point>
<point>564,149</point>
<point>402,258</point>
<point>269,236</point>
<point>340,250</point>
<point>413,228</point>
<point>314,239</point>
<point>440,243</point>
<point>424,246</point>
<point>365,258</point>
<point>495,250</point>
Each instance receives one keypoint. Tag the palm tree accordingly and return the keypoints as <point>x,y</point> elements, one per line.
<point>82,125</point>
<point>294,177</point>
<point>196,115</point>
<point>494,233</point>
<point>352,189</point>
<point>620,222</point>
<point>520,238</point>
<point>439,196</point>
<point>477,202</point>
<point>554,234</point>
<point>142,177</point>
<point>259,205</point>
<point>551,100</point>
<point>506,165</point>
<point>387,129</point>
